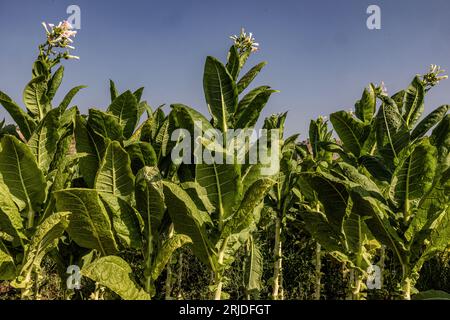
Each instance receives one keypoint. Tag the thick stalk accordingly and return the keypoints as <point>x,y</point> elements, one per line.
<point>406,288</point>
<point>218,275</point>
<point>180,274</point>
<point>169,269</point>
<point>278,260</point>
<point>382,264</point>
<point>318,274</point>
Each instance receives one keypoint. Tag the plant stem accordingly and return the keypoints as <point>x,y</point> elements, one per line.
<point>277,253</point>
<point>180,275</point>
<point>169,269</point>
<point>406,288</point>
<point>318,263</point>
<point>218,275</point>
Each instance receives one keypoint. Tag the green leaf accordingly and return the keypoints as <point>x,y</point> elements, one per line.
<point>414,175</point>
<point>44,141</point>
<point>138,94</point>
<point>414,102</point>
<point>440,137</point>
<point>253,271</point>
<point>23,120</point>
<point>351,131</point>
<point>141,154</point>
<point>429,122</point>
<point>104,124</point>
<point>391,131</point>
<point>34,96</point>
<point>115,274</point>
<point>233,62</point>
<point>439,238</point>
<point>250,107</point>
<point>89,226</point>
<point>7,266</point>
<point>124,220</point>
<point>20,173</point>
<point>245,81</point>
<point>114,175</point>
<point>365,108</point>
<point>10,220</point>
<point>432,295</point>
<point>223,186</point>
<point>150,200</point>
<point>322,231</point>
<point>376,167</point>
<point>333,195</point>
<point>125,108</point>
<point>69,96</point>
<point>112,90</point>
<point>46,237</point>
<point>220,92</point>
<point>166,251</point>
<point>243,218</point>
<point>93,145</point>
<point>379,224</point>
<point>54,83</point>
<point>188,220</point>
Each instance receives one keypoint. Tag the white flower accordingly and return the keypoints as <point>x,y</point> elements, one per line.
<point>434,76</point>
<point>60,35</point>
<point>245,42</point>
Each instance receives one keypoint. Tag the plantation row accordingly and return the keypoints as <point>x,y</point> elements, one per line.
<point>102,192</point>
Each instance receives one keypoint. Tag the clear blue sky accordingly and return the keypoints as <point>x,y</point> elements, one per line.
<point>320,53</point>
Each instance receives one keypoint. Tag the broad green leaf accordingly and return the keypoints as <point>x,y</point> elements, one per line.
<point>115,274</point>
<point>7,266</point>
<point>250,107</point>
<point>429,122</point>
<point>440,138</point>
<point>105,124</point>
<point>114,175</point>
<point>233,63</point>
<point>150,199</point>
<point>125,108</point>
<point>379,224</point>
<point>245,81</point>
<point>220,92</point>
<point>55,82</point>
<point>253,272</point>
<point>414,175</point>
<point>333,196</point>
<point>69,96</point>
<point>432,295</point>
<point>351,131</point>
<point>322,231</point>
<point>44,141</point>
<point>10,220</point>
<point>392,132</point>
<point>22,119</point>
<point>20,173</point>
<point>166,251</point>
<point>439,239</point>
<point>414,102</point>
<point>124,220</point>
<point>93,145</point>
<point>365,108</point>
<point>90,226</point>
<point>141,154</point>
<point>187,220</point>
<point>138,94</point>
<point>46,237</point>
<point>223,186</point>
<point>34,96</point>
<point>376,167</point>
<point>112,90</point>
<point>243,218</point>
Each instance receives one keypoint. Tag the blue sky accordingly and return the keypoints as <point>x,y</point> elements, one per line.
<point>320,53</point>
